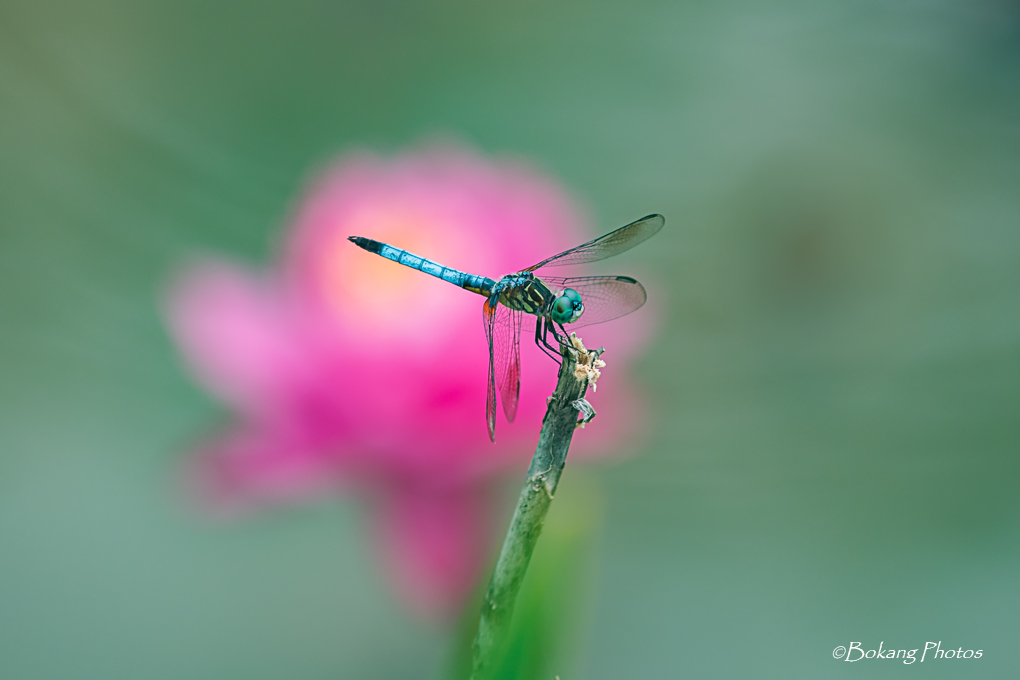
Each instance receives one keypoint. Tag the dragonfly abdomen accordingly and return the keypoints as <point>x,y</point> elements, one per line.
<point>476,284</point>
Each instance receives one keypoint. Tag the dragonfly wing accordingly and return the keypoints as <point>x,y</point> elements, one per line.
<point>488,320</point>
<point>503,332</point>
<point>527,321</point>
<point>507,358</point>
<point>604,297</point>
<point>613,243</point>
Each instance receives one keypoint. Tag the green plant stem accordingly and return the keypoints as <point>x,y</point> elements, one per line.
<point>543,476</point>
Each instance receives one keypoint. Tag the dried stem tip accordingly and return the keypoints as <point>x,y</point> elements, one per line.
<point>588,362</point>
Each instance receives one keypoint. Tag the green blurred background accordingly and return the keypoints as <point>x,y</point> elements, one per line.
<point>836,378</point>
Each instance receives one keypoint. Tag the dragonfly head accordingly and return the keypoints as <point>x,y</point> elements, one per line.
<point>567,308</point>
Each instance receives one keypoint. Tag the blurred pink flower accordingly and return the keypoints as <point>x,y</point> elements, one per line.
<point>345,370</point>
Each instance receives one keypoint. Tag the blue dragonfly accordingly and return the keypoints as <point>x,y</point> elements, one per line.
<point>543,305</point>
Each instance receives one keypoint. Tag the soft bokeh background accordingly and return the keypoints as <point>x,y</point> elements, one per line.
<point>833,453</point>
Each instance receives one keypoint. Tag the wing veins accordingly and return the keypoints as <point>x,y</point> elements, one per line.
<point>607,245</point>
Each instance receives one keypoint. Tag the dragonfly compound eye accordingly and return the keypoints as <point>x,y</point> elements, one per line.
<point>567,308</point>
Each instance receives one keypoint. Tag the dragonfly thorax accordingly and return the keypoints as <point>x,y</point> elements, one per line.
<point>527,293</point>
<point>524,292</point>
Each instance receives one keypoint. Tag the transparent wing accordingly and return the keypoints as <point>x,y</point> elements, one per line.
<point>604,297</point>
<point>613,243</point>
<point>503,331</point>
<point>527,322</point>
<point>488,320</point>
<point>507,358</point>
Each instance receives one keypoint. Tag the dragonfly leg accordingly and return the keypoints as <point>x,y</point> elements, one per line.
<point>566,336</point>
<point>562,340</point>
<point>542,341</point>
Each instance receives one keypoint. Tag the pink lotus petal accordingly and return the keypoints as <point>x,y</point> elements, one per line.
<point>239,336</point>
<point>434,543</point>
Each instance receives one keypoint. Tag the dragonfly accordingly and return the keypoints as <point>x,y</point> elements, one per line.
<point>539,304</point>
